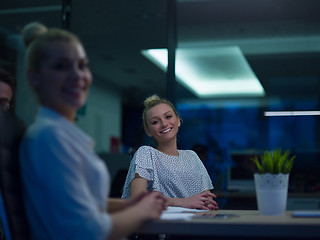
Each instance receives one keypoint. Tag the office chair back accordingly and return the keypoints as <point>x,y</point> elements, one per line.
<point>120,177</point>
<point>132,151</point>
<point>13,216</point>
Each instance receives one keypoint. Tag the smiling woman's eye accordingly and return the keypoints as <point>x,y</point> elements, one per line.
<point>154,122</point>
<point>83,65</point>
<point>60,66</point>
<point>169,116</point>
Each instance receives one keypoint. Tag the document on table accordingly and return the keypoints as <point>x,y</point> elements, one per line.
<point>179,213</point>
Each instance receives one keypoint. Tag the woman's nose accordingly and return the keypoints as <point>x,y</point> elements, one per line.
<point>164,123</point>
<point>76,72</point>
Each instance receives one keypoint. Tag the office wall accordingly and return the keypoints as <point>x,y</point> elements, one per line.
<point>102,116</point>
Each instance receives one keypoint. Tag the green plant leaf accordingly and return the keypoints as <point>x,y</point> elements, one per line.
<point>274,162</point>
<point>256,161</point>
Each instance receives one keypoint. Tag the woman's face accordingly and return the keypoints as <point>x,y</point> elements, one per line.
<point>162,122</point>
<point>63,79</point>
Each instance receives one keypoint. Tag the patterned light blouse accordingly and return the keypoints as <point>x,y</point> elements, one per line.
<point>174,176</point>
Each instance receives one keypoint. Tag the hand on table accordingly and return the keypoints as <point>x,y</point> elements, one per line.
<point>203,201</point>
<point>151,203</point>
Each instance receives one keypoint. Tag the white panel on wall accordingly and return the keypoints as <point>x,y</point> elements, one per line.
<point>102,117</point>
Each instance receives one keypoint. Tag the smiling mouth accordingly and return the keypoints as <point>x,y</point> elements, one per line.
<point>74,91</point>
<point>165,131</point>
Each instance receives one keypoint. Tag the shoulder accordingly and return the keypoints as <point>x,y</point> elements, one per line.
<point>191,155</point>
<point>144,156</point>
<point>145,149</point>
<point>50,141</point>
<point>188,153</point>
<point>45,132</point>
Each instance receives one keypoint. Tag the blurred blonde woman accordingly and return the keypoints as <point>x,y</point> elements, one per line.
<point>178,174</point>
<point>65,184</point>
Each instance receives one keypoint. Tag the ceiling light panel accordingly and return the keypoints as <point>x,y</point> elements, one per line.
<point>211,71</point>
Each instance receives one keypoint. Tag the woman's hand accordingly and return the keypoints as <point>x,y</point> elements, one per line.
<point>151,203</point>
<point>202,201</point>
<point>145,207</point>
<point>212,205</point>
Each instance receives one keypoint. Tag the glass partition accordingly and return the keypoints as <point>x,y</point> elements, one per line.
<point>279,44</point>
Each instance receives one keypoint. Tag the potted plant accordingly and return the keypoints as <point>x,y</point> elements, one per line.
<point>271,181</point>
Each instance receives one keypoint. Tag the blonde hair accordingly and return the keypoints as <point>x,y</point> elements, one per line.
<point>152,101</point>
<point>37,38</point>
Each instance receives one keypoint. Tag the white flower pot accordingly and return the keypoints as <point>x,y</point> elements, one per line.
<point>271,192</point>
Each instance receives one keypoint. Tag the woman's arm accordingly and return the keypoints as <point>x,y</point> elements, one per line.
<point>116,204</point>
<point>202,200</point>
<point>138,185</point>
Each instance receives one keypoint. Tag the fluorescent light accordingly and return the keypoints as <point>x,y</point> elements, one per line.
<point>31,9</point>
<point>291,113</point>
<point>211,71</point>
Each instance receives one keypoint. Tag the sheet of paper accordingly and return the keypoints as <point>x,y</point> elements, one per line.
<point>181,209</point>
<point>176,216</point>
<point>179,213</point>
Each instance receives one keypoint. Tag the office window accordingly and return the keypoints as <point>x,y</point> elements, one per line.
<point>280,44</point>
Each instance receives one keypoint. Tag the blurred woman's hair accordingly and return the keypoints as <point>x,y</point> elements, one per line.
<point>37,38</point>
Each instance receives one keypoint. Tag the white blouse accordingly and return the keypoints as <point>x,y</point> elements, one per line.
<point>65,184</point>
<point>174,176</point>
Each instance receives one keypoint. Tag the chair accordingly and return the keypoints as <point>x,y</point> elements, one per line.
<point>131,152</point>
<point>13,216</point>
<point>120,178</point>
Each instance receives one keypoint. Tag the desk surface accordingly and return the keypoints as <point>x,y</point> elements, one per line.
<point>246,223</point>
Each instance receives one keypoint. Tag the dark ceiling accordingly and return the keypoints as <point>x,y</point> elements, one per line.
<point>115,31</point>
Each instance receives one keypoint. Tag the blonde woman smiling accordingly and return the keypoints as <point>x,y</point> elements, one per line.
<point>178,174</point>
